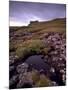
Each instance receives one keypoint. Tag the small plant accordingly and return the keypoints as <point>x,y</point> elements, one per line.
<point>43,82</point>
<point>22,52</point>
<point>30,47</point>
<point>35,76</point>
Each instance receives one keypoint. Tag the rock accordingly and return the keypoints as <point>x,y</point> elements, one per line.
<point>12,71</point>
<point>56,58</point>
<point>62,71</point>
<point>22,68</point>
<point>54,39</point>
<point>64,78</point>
<point>25,80</point>
<point>11,62</point>
<point>16,56</point>
<point>11,68</point>
<point>24,85</point>
<point>12,59</point>
<point>53,83</point>
<point>60,59</point>
<point>13,81</point>
<point>52,70</point>
<point>41,71</point>
<point>42,56</point>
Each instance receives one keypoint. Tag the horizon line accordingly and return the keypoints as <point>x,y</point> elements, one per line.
<point>34,21</point>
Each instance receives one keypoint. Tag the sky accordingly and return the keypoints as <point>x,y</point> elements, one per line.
<point>21,13</point>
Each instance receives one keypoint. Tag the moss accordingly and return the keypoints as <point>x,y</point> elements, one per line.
<point>22,52</point>
<point>43,82</point>
<point>30,47</point>
<point>45,50</point>
<point>35,76</point>
<point>34,43</point>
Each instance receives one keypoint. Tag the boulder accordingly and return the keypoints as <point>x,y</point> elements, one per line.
<point>22,68</point>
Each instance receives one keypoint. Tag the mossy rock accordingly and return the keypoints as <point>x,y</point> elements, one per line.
<point>35,76</point>
<point>45,50</point>
<point>43,82</point>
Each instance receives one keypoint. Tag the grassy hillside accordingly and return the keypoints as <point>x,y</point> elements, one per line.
<point>32,39</point>
<point>35,31</point>
<point>43,26</point>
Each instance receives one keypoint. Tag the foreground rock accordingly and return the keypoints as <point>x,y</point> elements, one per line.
<point>55,58</point>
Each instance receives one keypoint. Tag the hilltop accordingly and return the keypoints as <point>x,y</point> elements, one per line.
<point>43,24</point>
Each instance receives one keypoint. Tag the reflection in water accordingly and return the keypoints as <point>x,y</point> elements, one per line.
<point>37,62</point>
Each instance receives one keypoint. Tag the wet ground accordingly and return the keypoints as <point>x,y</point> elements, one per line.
<point>37,62</point>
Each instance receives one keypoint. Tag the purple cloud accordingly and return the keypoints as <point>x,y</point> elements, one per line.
<point>21,13</point>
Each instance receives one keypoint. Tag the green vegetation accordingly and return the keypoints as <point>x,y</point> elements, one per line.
<point>22,52</point>
<point>35,76</point>
<point>43,82</point>
<point>31,47</point>
<point>40,80</point>
<point>57,25</point>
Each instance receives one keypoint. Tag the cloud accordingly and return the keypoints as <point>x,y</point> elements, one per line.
<point>24,12</point>
<point>17,23</point>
